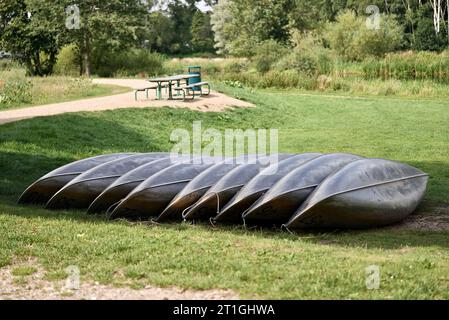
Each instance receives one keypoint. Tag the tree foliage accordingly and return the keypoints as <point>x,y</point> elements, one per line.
<point>350,37</point>
<point>202,34</point>
<point>28,35</point>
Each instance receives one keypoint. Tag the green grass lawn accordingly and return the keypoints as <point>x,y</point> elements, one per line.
<point>255,263</point>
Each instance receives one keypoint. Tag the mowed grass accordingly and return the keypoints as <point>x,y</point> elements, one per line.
<point>255,263</point>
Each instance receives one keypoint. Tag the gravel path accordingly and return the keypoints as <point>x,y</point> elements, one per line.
<point>215,102</point>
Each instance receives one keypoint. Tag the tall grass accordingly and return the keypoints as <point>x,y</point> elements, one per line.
<point>214,68</point>
<point>15,88</point>
<point>416,74</point>
<point>138,62</point>
<point>409,66</point>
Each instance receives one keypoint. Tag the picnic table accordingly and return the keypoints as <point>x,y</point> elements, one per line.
<point>169,81</point>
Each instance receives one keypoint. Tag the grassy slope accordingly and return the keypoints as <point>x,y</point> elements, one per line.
<point>267,264</point>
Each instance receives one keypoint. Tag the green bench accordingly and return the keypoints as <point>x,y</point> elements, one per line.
<point>187,88</point>
<point>146,90</point>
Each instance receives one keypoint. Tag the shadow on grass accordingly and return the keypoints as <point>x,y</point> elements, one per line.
<point>63,141</point>
<point>382,238</point>
<point>47,143</point>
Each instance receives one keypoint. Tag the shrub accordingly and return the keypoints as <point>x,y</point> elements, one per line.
<point>5,64</point>
<point>309,56</point>
<point>324,82</point>
<point>233,84</point>
<point>339,84</point>
<point>286,79</point>
<point>14,87</point>
<point>266,54</point>
<point>302,62</point>
<point>131,63</point>
<point>235,67</point>
<point>353,40</point>
<point>67,61</point>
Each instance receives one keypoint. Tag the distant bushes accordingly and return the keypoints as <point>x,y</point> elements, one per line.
<point>309,57</point>
<point>267,53</point>
<point>351,39</point>
<point>5,64</point>
<point>137,62</point>
<point>68,61</point>
<point>215,68</point>
<point>107,63</point>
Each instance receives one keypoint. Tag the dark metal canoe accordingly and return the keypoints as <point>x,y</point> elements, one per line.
<point>120,188</point>
<point>365,193</point>
<point>44,188</point>
<point>153,195</point>
<point>257,186</point>
<point>81,191</point>
<point>195,189</point>
<point>279,203</point>
<point>226,188</point>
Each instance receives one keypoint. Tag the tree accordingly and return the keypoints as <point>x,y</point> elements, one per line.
<point>220,20</point>
<point>181,15</point>
<point>112,24</point>
<point>201,31</point>
<point>251,22</point>
<point>28,35</point>
<point>160,32</point>
<point>426,35</point>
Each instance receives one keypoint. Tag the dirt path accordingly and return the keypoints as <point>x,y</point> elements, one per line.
<point>34,287</point>
<point>215,102</point>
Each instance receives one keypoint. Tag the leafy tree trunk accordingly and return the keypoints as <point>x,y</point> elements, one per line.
<point>29,66</point>
<point>87,55</point>
<point>447,9</point>
<point>37,64</point>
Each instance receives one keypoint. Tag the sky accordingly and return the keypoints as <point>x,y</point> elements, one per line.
<point>201,5</point>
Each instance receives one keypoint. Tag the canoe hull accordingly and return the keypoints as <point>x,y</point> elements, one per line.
<point>365,193</point>
<point>176,209</point>
<point>114,195</point>
<point>124,185</point>
<point>84,189</point>
<point>209,205</point>
<point>360,209</point>
<point>147,204</point>
<point>279,210</point>
<point>41,191</point>
<point>78,196</point>
<point>260,184</point>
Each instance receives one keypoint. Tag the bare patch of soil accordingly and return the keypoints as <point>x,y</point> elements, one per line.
<point>35,287</point>
<point>438,220</point>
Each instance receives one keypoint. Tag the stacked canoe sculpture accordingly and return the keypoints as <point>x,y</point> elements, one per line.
<point>309,190</point>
